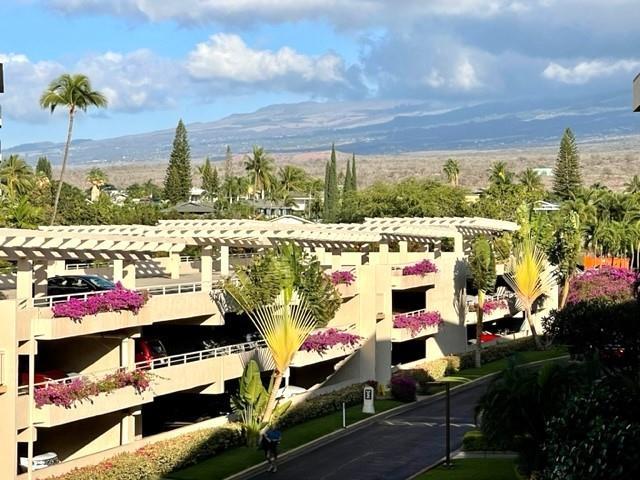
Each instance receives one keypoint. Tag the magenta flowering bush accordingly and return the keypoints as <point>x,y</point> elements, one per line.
<point>322,341</point>
<point>417,321</point>
<point>342,277</point>
<point>421,268</point>
<point>613,283</point>
<point>115,300</point>
<point>491,306</point>
<point>76,390</point>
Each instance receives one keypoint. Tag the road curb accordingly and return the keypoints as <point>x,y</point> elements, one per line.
<point>331,437</point>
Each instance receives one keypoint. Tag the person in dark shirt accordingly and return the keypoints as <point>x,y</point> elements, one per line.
<point>269,442</point>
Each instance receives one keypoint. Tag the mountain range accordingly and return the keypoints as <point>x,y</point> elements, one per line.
<point>367,127</point>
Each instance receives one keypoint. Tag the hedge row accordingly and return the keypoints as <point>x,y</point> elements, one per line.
<point>160,458</point>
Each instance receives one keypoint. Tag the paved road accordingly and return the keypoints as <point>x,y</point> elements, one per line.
<point>391,449</point>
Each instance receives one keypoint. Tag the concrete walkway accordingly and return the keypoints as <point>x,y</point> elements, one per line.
<point>391,449</point>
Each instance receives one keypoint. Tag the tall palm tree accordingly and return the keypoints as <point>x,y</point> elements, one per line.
<point>74,92</point>
<point>633,185</point>
<point>16,177</point>
<point>529,278</point>
<point>260,168</point>
<point>451,169</point>
<point>291,178</point>
<point>97,177</point>
<point>482,265</point>
<point>531,181</point>
<point>499,174</point>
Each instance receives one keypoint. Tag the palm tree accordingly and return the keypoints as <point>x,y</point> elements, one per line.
<point>291,178</point>
<point>451,169</point>
<point>500,175</point>
<point>260,168</point>
<point>96,177</point>
<point>483,270</point>
<point>16,177</point>
<point>22,214</point>
<point>633,185</point>
<point>529,278</point>
<point>75,93</point>
<point>531,181</point>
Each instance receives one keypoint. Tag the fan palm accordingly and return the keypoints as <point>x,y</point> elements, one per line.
<point>260,168</point>
<point>16,177</point>
<point>97,177</point>
<point>529,278</point>
<point>75,93</point>
<point>451,170</point>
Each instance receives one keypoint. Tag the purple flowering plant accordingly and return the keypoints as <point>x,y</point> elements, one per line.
<point>67,393</point>
<point>115,300</point>
<point>417,322</point>
<point>421,268</point>
<point>342,277</point>
<point>320,342</point>
<point>613,283</point>
<point>491,306</point>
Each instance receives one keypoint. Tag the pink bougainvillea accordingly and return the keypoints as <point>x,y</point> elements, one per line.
<point>322,341</point>
<point>342,277</point>
<point>115,300</point>
<point>613,283</point>
<point>417,321</point>
<point>68,393</point>
<point>421,268</point>
<point>491,306</point>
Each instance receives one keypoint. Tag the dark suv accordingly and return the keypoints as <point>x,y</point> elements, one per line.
<point>77,284</point>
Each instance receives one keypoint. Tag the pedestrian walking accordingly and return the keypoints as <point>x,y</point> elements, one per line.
<point>269,441</point>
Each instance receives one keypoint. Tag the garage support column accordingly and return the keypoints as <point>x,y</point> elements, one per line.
<point>55,267</point>
<point>24,279</point>
<point>40,279</point>
<point>206,268</point>
<point>224,260</point>
<point>124,271</point>
<point>336,259</point>
<point>320,255</point>
<point>174,265</point>
<point>383,249</point>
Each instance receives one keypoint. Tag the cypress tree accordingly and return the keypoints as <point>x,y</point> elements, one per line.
<point>347,180</point>
<point>177,182</point>
<point>567,179</point>
<point>210,180</point>
<point>354,179</point>
<point>325,203</point>
<point>228,163</point>
<point>332,195</point>
<point>43,167</point>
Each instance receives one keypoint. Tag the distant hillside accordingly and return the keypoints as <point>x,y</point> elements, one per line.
<point>368,127</point>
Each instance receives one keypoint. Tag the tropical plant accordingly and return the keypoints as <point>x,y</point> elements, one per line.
<point>564,253</point>
<point>482,267</point>
<point>43,167</point>
<point>291,179</point>
<point>73,92</point>
<point>259,166</point>
<point>421,268</point>
<point>417,322</point>
<point>531,181</point>
<point>451,170</point>
<point>23,214</point>
<point>250,401</point>
<point>16,177</point>
<point>499,174</point>
<point>530,278</point>
<point>633,185</point>
<point>322,341</point>
<point>97,177</point>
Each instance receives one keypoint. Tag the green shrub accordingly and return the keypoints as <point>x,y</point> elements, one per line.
<point>453,364</point>
<point>475,441</point>
<point>158,459</point>
<point>496,352</point>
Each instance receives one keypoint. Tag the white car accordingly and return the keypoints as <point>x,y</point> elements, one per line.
<point>289,391</point>
<point>39,462</point>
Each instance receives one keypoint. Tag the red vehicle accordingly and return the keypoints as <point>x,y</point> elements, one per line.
<point>41,377</point>
<point>488,337</point>
<point>148,350</point>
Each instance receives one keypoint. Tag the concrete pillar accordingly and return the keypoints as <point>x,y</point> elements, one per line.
<point>224,260</point>
<point>127,352</point>
<point>206,268</point>
<point>383,250</point>
<point>55,267</point>
<point>118,270</point>
<point>174,265</point>
<point>127,428</point>
<point>125,273</point>
<point>403,249</point>
<point>336,260</point>
<point>40,279</point>
<point>24,279</point>
<point>320,254</point>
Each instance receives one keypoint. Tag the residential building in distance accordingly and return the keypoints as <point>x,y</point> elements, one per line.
<point>188,334</point>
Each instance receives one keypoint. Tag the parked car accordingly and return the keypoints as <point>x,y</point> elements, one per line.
<point>77,284</point>
<point>150,349</point>
<point>39,462</point>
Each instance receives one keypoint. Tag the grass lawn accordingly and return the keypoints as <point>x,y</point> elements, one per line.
<point>499,365</point>
<point>475,469</point>
<point>236,460</point>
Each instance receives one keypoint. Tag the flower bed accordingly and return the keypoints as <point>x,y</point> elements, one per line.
<point>417,322</point>
<point>342,277</point>
<point>115,300</point>
<point>66,394</point>
<point>612,283</point>
<point>491,306</point>
<point>322,341</point>
<point>421,268</point>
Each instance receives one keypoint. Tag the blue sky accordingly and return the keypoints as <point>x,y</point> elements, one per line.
<point>201,60</point>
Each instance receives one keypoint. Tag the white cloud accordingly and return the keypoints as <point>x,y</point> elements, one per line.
<point>228,59</point>
<point>584,72</point>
